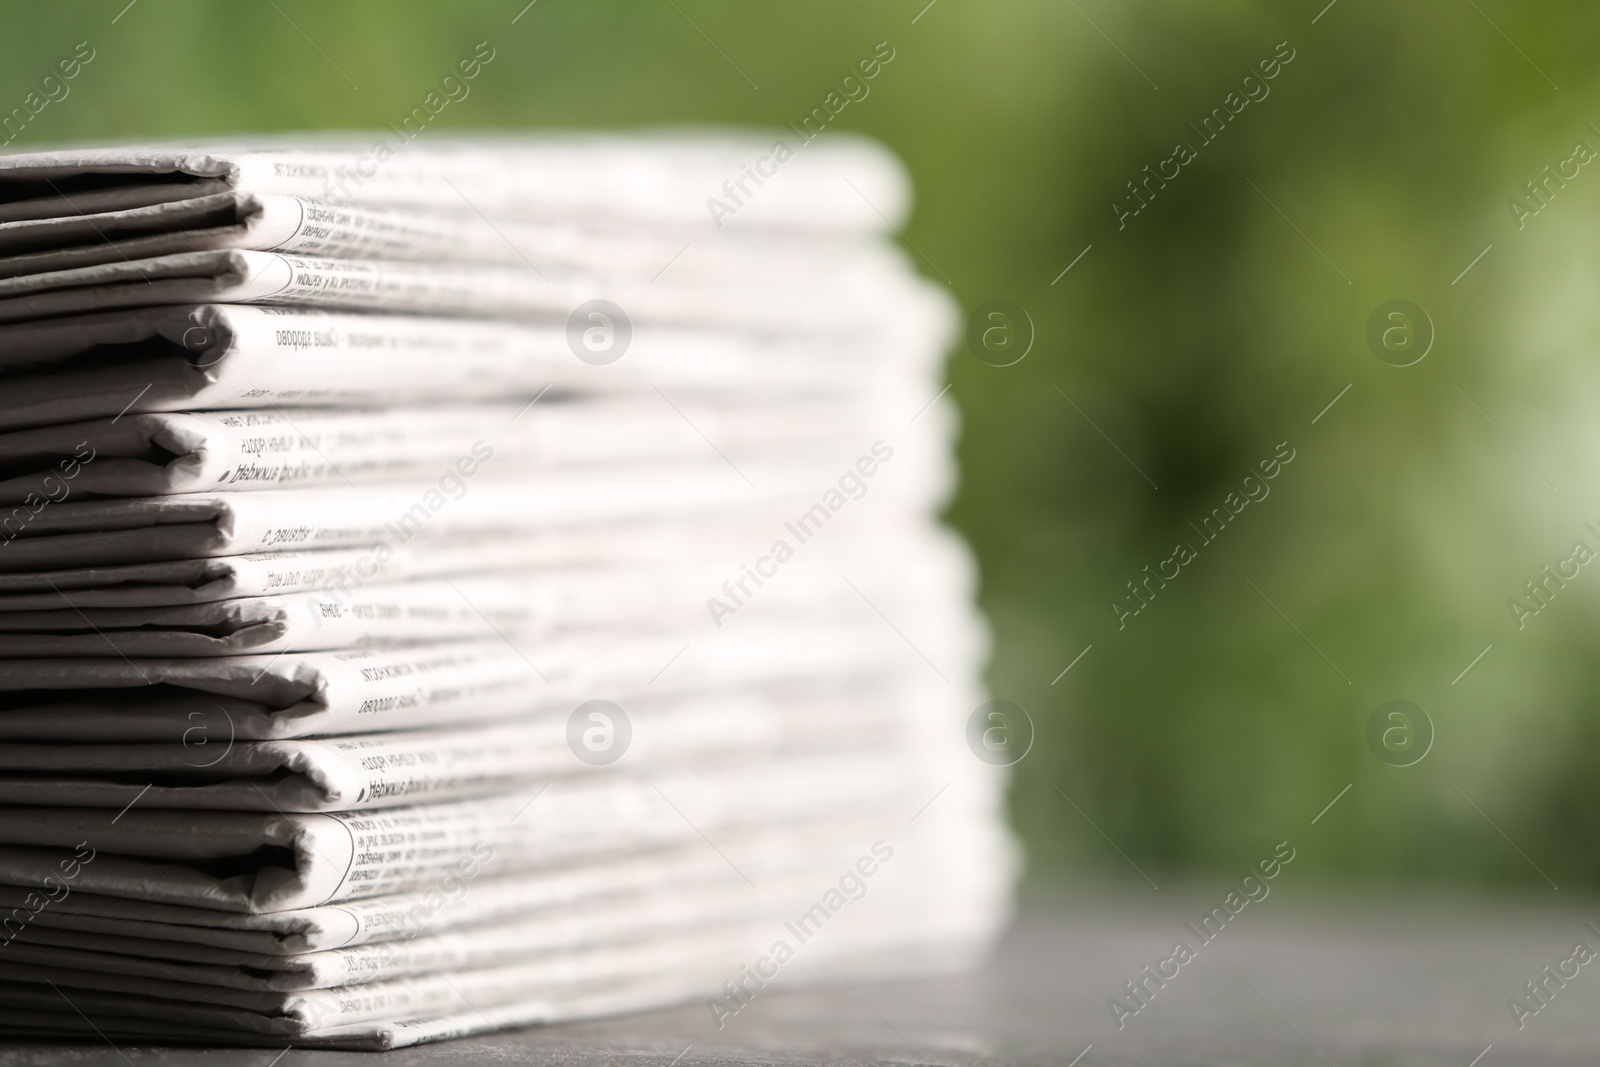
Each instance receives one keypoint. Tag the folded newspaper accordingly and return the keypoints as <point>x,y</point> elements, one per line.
<point>469,585</point>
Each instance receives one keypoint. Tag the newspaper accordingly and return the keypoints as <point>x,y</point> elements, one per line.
<point>456,902</point>
<point>218,356</point>
<point>230,522</point>
<point>651,178</point>
<point>533,611</point>
<point>531,606</point>
<point>384,615</point>
<point>381,1015</point>
<point>691,543</point>
<point>887,933</point>
<point>192,452</point>
<point>698,952</point>
<point>313,227</point>
<point>36,1018</point>
<point>297,860</point>
<point>323,521</point>
<point>301,694</point>
<point>395,769</point>
<point>857,295</point>
<point>515,938</point>
<point>560,901</point>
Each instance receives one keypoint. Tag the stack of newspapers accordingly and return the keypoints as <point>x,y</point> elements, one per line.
<point>448,586</point>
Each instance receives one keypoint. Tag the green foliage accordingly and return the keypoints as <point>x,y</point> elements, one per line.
<point>1214,325</point>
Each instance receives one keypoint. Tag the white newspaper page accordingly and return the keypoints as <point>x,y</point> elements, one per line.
<point>853,296</point>
<point>396,769</point>
<point>654,178</point>
<point>279,448</point>
<point>318,227</point>
<point>301,860</point>
<point>212,356</point>
<point>299,694</point>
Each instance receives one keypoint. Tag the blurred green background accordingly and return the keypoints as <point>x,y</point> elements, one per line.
<point>1212,326</point>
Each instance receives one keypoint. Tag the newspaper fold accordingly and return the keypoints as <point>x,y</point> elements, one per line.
<point>854,294</point>
<point>533,607</point>
<point>277,448</point>
<point>516,938</point>
<point>394,769</point>
<point>216,356</point>
<point>33,900</point>
<point>642,177</point>
<point>692,543</point>
<point>238,861</point>
<point>300,694</point>
<point>313,227</point>
<point>403,1011</point>
<point>464,500</point>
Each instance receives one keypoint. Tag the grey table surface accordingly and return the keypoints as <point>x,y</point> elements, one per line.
<point>1373,980</point>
